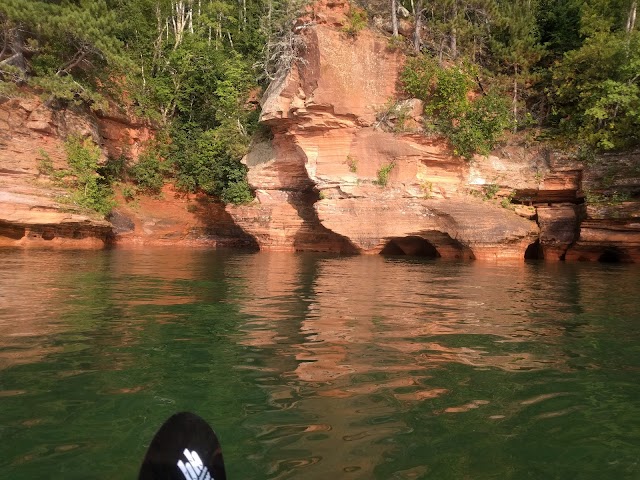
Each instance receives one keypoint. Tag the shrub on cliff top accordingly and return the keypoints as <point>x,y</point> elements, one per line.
<point>357,19</point>
<point>472,126</point>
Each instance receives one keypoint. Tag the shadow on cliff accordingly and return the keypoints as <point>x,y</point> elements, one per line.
<point>313,236</point>
<point>218,224</point>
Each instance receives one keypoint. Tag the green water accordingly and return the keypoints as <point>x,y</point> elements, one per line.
<point>311,366</point>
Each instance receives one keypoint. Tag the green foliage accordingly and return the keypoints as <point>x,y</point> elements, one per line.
<point>238,193</point>
<point>506,201</point>
<point>352,163</point>
<point>357,21</point>
<point>480,126</point>
<point>490,191</point>
<point>449,99</point>
<point>149,172</point>
<point>396,43</point>
<point>114,170</point>
<point>63,47</point>
<point>188,72</point>
<point>209,161</point>
<point>394,116</point>
<point>45,165</point>
<point>88,187</point>
<point>427,188</point>
<point>129,192</point>
<point>472,126</point>
<point>572,65</point>
<point>596,87</point>
<point>418,77</point>
<point>383,174</point>
<point>614,198</point>
<point>558,24</point>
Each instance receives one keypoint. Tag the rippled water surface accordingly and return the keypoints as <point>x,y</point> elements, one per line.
<point>315,367</point>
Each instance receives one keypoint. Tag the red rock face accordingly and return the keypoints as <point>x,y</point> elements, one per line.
<point>319,179</point>
<point>325,117</point>
<point>33,215</point>
<point>339,173</point>
<point>610,227</point>
<point>174,218</point>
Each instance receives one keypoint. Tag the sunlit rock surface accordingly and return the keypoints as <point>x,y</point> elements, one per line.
<point>317,178</point>
<point>35,212</point>
<point>320,176</point>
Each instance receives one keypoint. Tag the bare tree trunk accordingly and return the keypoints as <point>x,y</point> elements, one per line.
<point>15,43</point>
<point>157,45</point>
<point>417,32</point>
<point>453,39</point>
<point>269,29</point>
<point>394,17</point>
<point>77,59</point>
<point>181,20</point>
<point>515,98</point>
<point>453,43</point>
<point>244,16</point>
<point>631,18</point>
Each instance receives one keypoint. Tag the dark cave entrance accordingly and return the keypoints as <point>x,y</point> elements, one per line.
<point>610,255</point>
<point>414,246</point>
<point>534,251</point>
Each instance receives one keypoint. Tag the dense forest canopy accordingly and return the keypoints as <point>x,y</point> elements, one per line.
<point>568,67</point>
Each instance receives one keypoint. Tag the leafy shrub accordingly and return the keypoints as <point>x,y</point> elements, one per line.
<point>418,77</point>
<point>114,170</point>
<point>472,126</point>
<point>357,18</point>
<point>480,127</point>
<point>149,172</point>
<point>393,116</point>
<point>89,188</point>
<point>396,43</point>
<point>383,174</point>
<point>614,198</point>
<point>237,193</point>
<point>129,192</point>
<point>209,160</point>
<point>490,191</point>
<point>45,165</point>
<point>352,163</point>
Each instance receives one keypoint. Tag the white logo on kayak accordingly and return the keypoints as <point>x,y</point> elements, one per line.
<point>194,469</point>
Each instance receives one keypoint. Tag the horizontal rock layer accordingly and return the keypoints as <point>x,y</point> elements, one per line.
<point>333,177</point>
<point>34,211</point>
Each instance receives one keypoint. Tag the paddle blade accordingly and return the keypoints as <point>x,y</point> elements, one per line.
<point>185,448</point>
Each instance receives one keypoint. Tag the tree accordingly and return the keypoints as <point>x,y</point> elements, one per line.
<point>61,47</point>
<point>517,48</point>
<point>596,87</point>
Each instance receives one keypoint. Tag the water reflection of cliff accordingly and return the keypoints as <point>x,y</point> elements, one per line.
<point>418,313</point>
<point>375,333</point>
<point>355,355</point>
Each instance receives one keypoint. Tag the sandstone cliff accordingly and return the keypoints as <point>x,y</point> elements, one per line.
<point>340,171</point>
<point>331,177</point>
<point>33,211</point>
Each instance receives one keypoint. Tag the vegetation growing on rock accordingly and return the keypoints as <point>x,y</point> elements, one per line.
<point>569,68</point>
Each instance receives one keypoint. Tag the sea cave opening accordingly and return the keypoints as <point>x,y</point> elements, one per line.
<point>413,246</point>
<point>610,255</point>
<point>534,251</point>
